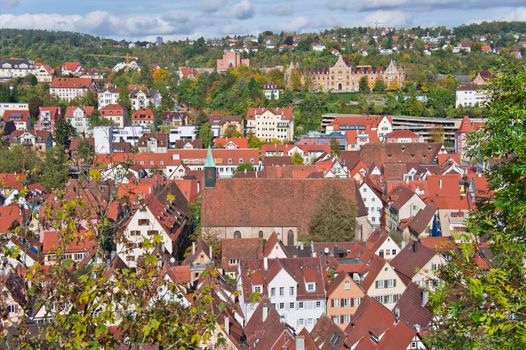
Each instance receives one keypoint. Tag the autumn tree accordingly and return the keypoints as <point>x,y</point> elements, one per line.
<point>482,305</point>
<point>437,135</point>
<point>334,219</point>
<point>297,159</point>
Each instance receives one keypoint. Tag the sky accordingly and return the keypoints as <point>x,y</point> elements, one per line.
<point>180,19</point>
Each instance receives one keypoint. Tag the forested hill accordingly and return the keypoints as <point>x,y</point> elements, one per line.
<point>53,48</point>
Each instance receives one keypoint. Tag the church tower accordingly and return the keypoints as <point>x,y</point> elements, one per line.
<point>210,170</point>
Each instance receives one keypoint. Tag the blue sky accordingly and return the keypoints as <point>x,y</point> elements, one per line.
<point>178,19</point>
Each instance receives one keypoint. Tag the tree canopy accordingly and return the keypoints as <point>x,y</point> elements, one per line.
<point>334,220</point>
<point>481,306</point>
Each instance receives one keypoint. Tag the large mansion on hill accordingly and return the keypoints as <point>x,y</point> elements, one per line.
<point>343,77</point>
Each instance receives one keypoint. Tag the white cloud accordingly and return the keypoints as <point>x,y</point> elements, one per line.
<point>9,4</point>
<point>282,10</point>
<point>103,24</point>
<point>297,24</point>
<point>386,18</point>
<point>212,5</point>
<point>367,5</point>
<point>243,10</point>
<point>518,14</point>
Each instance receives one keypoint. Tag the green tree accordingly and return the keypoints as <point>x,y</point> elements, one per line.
<point>64,131</point>
<point>297,159</point>
<point>206,135</point>
<point>477,307</point>
<point>379,85</point>
<point>231,131</point>
<point>244,166</point>
<point>335,147</point>
<point>55,172</point>
<point>363,85</point>
<point>334,220</point>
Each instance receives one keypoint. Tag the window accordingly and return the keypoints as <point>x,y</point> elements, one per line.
<point>346,302</point>
<point>232,261</point>
<point>291,306</point>
<point>336,319</point>
<point>237,234</point>
<point>290,238</point>
<point>260,234</point>
<point>393,252</point>
<point>318,304</point>
<point>291,291</point>
<point>281,291</point>
<point>347,285</point>
<point>152,232</point>
<point>311,287</point>
<point>12,308</point>
<point>334,338</point>
<point>346,319</point>
<point>336,302</point>
<point>357,301</point>
<point>281,306</point>
<point>130,258</point>
<point>258,289</point>
<point>272,291</point>
<point>300,305</point>
<point>300,322</point>
<point>144,222</point>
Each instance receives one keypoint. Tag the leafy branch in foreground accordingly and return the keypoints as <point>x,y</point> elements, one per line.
<point>482,304</point>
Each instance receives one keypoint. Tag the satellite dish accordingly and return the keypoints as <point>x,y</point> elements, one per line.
<point>326,250</point>
<point>172,260</point>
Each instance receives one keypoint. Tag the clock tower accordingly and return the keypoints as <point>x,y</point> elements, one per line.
<point>210,170</point>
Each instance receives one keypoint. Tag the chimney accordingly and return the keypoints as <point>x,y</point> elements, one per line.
<point>265,313</point>
<point>440,183</point>
<point>193,248</point>
<point>425,297</point>
<point>265,263</point>
<point>210,252</point>
<point>312,249</point>
<point>227,325</point>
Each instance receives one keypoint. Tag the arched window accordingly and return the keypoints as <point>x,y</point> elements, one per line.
<point>237,234</point>
<point>290,238</point>
<point>260,234</point>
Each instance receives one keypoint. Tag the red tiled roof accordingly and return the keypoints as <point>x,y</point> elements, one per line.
<point>373,319</point>
<point>401,134</point>
<point>88,110</point>
<point>412,258</point>
<point>411,309</point>
<point>267,202</point>
<point>71,83</point>
<point>52,240</point>
<point>111,109</point>
<point>415,153</point>
<point>143,114</point>
<point>240,142</point>
<point>16,115</point>
<point>467,125</point>
<point>71,66</point>
<point>286,113</point>
<point>369,121</point>
<point>9,216</point>
<point>12,180</point>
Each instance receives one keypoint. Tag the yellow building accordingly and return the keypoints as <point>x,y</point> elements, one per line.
<point>343,77</point>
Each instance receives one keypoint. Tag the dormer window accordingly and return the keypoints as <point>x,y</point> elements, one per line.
<point>258,289</point>
<point>311,287</point>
